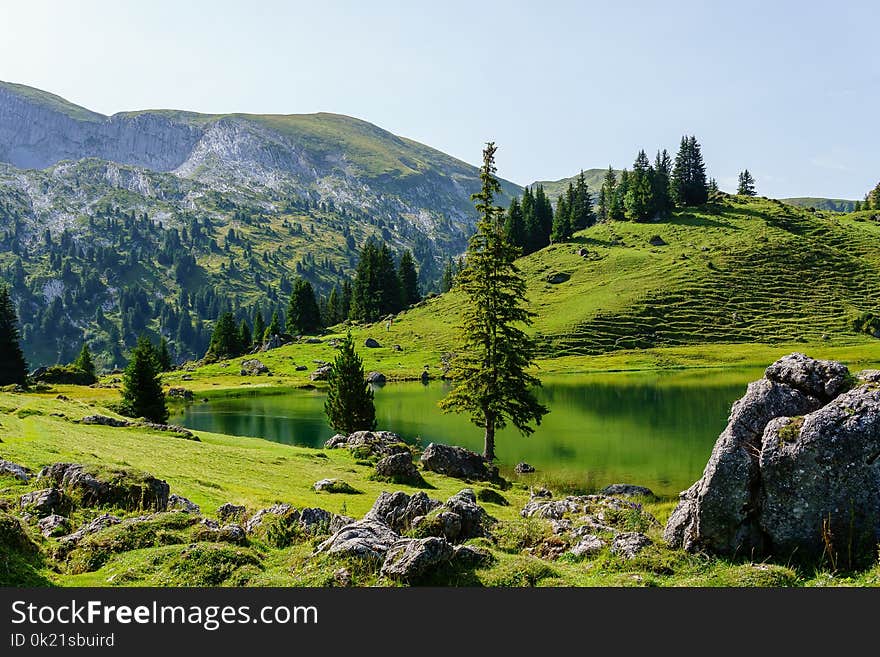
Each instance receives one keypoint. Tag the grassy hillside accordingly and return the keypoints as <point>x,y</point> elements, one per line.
<point>171,550</point>
<point>827,204</point>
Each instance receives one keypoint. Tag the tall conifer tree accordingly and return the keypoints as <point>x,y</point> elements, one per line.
<point>13,367</point>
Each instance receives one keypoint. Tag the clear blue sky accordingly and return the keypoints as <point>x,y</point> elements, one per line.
<point>790,90</point>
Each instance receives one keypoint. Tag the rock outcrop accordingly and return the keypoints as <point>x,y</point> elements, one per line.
<point>795,475</point>
<point>399,469</point>
<point>119,487</point>
<point>458,462</point>
<point>369,444</point>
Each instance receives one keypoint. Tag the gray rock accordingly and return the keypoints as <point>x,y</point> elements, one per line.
<point>366,539</point>
<point>588,545</point>
<point>120,487</point>
<point>43,502</point>
<point>370,343</point>
<point>252,367</point>
<point>523,468</point>
<point>94,526</point>
<point>334,486</point>
<point>820,482</point>
<point>583,252</point>
<point>342,577</point>
<point>301,368</point>
<point>540,492</point>
<point>400,469</point>
<point>596,512</point>
<point>180,503</point>
<point>322,373</point>
<point>396,347</point>
<point>369,443</point>
<point>469,556</point>
<point>398,510</point>
<point>230,511</point>
<point>409,560</point>
<point>105,421</point>
<point>458,462</point>
<point>257,519</point>
<point>445,523</point>
<point>865,376</point>
<point>16,470</point>
<point>822,379</point>
<point>376,377</point>
<point>557,278</point>
<point>474,519</point>
<point>316,521</point>
<point>629,544</point>
<point>656,240</point>
<point>273,342</point>
<point>54,525</point>
<point>627,490</point>
<point>229,533</point>
<point>181,393</point>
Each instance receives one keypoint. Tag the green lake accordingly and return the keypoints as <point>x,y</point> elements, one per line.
<point>653,429</point>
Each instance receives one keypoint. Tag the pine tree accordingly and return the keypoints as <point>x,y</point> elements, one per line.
<point>224,340</point>
<point>857,207</point>
<point>349,406</point>
<point>543,218</point>
<point>531,222</point>
<point>514,225</point>
<point>448,279</point>
<point>618,207</point>
<point>490,372</point>
<point>562,229</point>
<point>259,325</point>
<point>581,210</point>
<point>334,312</point>
<point>13,367</point>
<point>142,394</point>
<point>662,174</point>
<point>85,364</point>
<point>746,186</point>
<point>245,339</point>
<point>874,197</point>
<point>689,174</point>
<point>164,356</point>
<point>639,199</point>
<point>303,315</point>
<point>274,327</point>
<point>408,280</point>
<point>712,187</point>
<point>606,195</point>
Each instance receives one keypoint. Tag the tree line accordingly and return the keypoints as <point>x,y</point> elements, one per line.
<point>871,201</point>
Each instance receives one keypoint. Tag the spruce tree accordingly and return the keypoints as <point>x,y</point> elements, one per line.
<point>245,339</point>
<point>164,356</point>
<point>606,195</point>
<point>349,406</point>
<point>491,381</point>
<point>259,325</point>
<point>334,311</point>
<point>689,174</point>
<point>712,186</point>
<point>639,199</point>
<point>274,327</point>
<point>142,394</point>
<point>224,340</point>
<point>388,292</point>
<point>543,218</point>
<point>514,225</point>
<point>408,280</point>
<point>562,229</point>
<point>746,186</point>
<point>532,223</point>
<point>448,279</point>
<point>365,288</point>
<point>618,206</point>
<point>303,315</point>
<point>662,174</point>
<point>85,364</point>
<point>581,210</point>
<point>874,197</point>
<point>857,207</point>
<point>13,367</point>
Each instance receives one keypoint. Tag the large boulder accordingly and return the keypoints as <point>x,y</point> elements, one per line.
<point>369,444</point>
<point>229,511</point>
<point>368,539</point>
<point>454,461</point>
<point>411,559</point>
<point>398,510</point>
<point>180,503</point>
<point>322,373</point>
<point>123,488</point>
<point>45,502</point>
<point>376,377</point>
<point>15,470</point>
<point>94,526</point>
<point>253,367</point>
<point>54,525</point>
<point>370,343</point>
<point>794,474</point>
<point>627,490</point>
<point>399,469</point>
<point>457,519</point>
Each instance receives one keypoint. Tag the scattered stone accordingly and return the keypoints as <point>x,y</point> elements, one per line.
<point>370,343</point>
<point>588,546</point>
<point>457,462</point>
<point>18,471</point>
<point>468,556</point>
<point>180,432</point>
<point>257,519</point>
<point>366,539</point>
<point>313,341</point>
<point>398,510</point>
<point>557,278</point>
<point>253,367</point>
<point>54,525</point>
<point>272,343</point>
<point>43,502</point>
<point>396,347</point>
<point>410,559</point>
<point>376,377</point>
<point>186,377</point>
<point>865,376</point>
<point>181,393</point>
<point>583,253</point>
<point>523,468</point>
<point>474,520</point>
<point>334,486</point>
<point>301,368</point>
<point>540,492</point>
<point>104,486</point>
<point>96,525</point>
<point>629,544</point>
<point>230,511</point>
<point>317,521</point>
<point>180,503</point>
<point>443,523</point>
<point>366,444</point>
<point>322,373</point>
<point>342,577</point>
<point>627,490</point>
<point>229,533</point>
<point>399,469</point>
<point>105,421</point>
<point>656,240</point>
<point>492,496</point>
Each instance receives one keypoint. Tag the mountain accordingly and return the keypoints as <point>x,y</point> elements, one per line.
<point>554,188</point>
<point>827,204</point>
<point>112,225</point>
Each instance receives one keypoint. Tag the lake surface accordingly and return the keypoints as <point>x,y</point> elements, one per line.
<point>652,429</point>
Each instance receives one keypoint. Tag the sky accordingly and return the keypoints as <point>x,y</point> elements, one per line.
<point>789,90</point>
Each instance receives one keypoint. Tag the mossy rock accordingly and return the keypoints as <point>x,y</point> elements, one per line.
<point>335,486</point>
<point>13,537</point>
<point>491,496</point>
<point>100,485</point>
